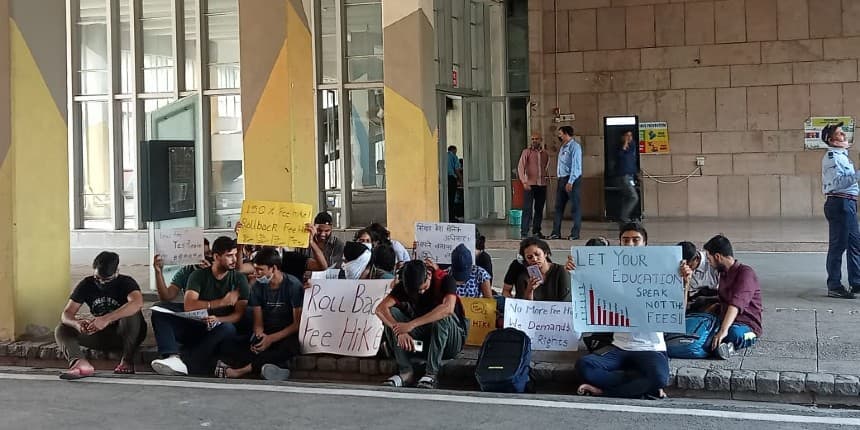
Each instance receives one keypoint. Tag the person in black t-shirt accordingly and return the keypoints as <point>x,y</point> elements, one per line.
<point>116,324</point>
<point>276,301</point>
<point>419,310</point>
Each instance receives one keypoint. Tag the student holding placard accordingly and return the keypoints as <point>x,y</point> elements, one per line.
<point>608,370</point>
<point>331,245</point>
<point>542,279</point>
<point>176,289</point>
<point>421,316</point>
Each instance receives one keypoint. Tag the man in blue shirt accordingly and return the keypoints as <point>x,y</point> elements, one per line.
<point>569,182</point>
<point>839,183</point>
<point>454,173</point>
<point>626,170</point>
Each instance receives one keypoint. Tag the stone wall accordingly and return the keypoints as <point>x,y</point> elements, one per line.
<point>734,79</point>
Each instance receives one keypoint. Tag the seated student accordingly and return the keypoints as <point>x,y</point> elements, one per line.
<point>597,241</point>
<point>276,301</point>
<point>383,262</point>
<point>331,246</point>
<point>636,364</point>
<point>472,281</point>
<point>117,324</point>
<point>740,300</point>
<point>483,259</point>
<point>363,236</point>
<point>356,261</point>
<point>418,309</point>
<point>220,290</point>
<point>704,280</point>
<point>380,234</point>
<point>176,289</point>
<point>515,269</point>
<point>554,283</point>
<point>298,264</point>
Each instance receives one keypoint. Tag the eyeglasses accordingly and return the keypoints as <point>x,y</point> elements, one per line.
<point>102,280</point>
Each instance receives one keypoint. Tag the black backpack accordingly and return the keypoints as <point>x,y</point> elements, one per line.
<point>504,362</point>
<point>595,341</point>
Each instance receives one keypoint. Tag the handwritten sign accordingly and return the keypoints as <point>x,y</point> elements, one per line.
<point>437,240</point>
<point>180,246</point>
<point>339,317</point>
<point>481,314</point>
<point>548,324</point>
<point>274,223</point>
<point>628,289</point>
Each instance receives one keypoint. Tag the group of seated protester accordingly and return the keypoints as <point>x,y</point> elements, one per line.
<point>252,331</point>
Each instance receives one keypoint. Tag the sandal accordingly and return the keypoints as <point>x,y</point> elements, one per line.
<point>76,373</point>
<point>427,382</point>
<point>394,381</point>
<point>123,369</point>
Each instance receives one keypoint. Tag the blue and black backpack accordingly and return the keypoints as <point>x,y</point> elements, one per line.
<point>695,343</point>
<point>504,362</point>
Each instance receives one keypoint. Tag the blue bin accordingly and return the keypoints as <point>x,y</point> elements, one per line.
<point>515,217</point>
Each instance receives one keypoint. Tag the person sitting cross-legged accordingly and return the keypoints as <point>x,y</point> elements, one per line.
<point>219,290</point>
<point>276,301</point>
<point>419,310</point>
<point>115,302</point>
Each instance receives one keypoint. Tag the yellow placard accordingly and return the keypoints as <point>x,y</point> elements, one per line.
<point>653,137</point>
<point>274,223</point>
<point>482,319</point>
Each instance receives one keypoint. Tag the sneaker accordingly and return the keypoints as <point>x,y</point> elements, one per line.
<point>725,351</point>
<point>170,366</point>
<point>270,372</point>
<point>554,236</point>
<point>840,293</point>
<point>540,236</point>
<point>573,237</point>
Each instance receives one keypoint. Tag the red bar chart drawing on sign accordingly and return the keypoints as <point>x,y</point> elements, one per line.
<point>605,313</point>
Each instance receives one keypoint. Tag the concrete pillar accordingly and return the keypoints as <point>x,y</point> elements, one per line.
<point>278,101</point>
<point>34,175</point>
<point>411,123</point>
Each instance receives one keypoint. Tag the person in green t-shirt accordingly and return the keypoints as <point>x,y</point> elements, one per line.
<point>223,294</point>
<point>176,289</point>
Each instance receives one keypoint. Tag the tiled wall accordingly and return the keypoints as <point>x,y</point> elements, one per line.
<point>735,79</point>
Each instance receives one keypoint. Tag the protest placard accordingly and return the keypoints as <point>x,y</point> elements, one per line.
<point>339,317</point>
<point>436,240</point>
<point>274,223</point>
<point>628,289</point>
<point>481,314</point>
<point>548,324</point>
<point>179,246</point>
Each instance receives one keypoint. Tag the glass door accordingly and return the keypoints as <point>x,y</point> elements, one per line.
<point>486,177</point>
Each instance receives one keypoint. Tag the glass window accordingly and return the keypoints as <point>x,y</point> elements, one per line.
<point>367,143</point>
<point>478,48</point>
<point>129,164</point>
<point>364,41</point>
<point>159,58</point>
<point>126,62</point>
<point>222,23</point>
<point>328,41</point>
<point>92,34</point>
<point>331,159</point>
<point>227,189</point>
<point>191,57</point>
<point>517,46</point>
<point>95,140</point>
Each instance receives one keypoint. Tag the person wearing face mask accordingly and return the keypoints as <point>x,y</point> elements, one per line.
<point>839,184</point>
<point>740,300</point>
<point>176,289</point>
<point>547,281</point>
<point>356,260</point>
<point>117,324</point>
<point>531,171</point>
<point>276,302</point>
<point>420,310</point>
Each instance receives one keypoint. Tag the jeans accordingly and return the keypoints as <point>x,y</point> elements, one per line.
<point>443,340</point>
<point>125,335</point>
<point>629,197</point>
<point>535,199</point>
<point>200,346</point>
<point>237,353</point>
<point>628,374</point>
<point>452,197</point>
<point>841,216</point>
<point>741,336</point>
<point>561,199</point>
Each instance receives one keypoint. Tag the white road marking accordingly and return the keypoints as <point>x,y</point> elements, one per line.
<point>499,401</point>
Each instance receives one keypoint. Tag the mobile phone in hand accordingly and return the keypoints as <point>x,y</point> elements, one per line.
<point>417,345</point>
<point>534,272</point>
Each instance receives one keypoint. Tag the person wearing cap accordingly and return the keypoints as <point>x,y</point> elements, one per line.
<point>331,246</point>
<point>422,317</point>
<point>839,184</point>
<point>472,280</point>
<point>531,171</point>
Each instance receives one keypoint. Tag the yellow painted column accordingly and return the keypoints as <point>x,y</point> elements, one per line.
<point>278,101</point>
<point>34,187</point>
<point>411,132</point>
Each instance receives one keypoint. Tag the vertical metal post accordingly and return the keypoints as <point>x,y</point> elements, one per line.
<point>114,133</point>
<point>76,169</point>
<point>204,138</point>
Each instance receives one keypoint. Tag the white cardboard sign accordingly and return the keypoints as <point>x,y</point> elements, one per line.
<point>180,246</point>
<point>436,240</point>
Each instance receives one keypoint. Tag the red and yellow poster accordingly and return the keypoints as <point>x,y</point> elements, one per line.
<point>653,137</point>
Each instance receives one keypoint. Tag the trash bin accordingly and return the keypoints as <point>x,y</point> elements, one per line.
<point>517,194</point>
<point>515,217</point>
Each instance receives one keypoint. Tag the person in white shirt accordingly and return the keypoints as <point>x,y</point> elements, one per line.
<point>606,372</point>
